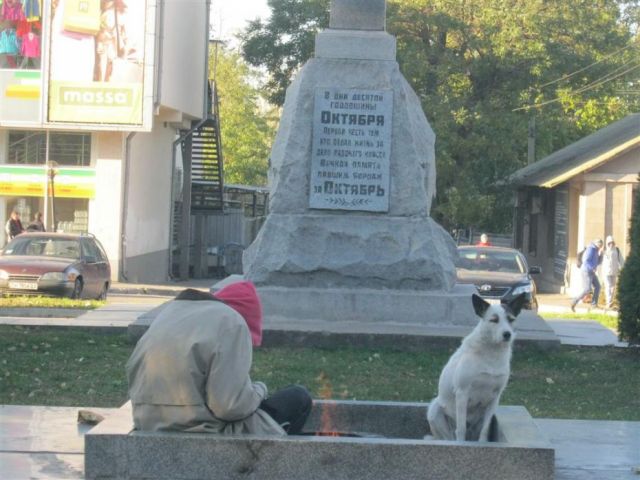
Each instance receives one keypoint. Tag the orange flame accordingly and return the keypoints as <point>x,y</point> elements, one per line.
<point>327,418</point>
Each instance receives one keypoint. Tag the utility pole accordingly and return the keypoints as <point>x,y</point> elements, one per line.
<point>51,173</point>
<point>531,139</point>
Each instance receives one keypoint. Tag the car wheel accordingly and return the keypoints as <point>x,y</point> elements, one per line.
<point>77,289</point>
<point>103,293</point>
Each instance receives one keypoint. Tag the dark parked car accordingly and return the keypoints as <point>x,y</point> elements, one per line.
<point>497,273</point>
<point>55,264</point>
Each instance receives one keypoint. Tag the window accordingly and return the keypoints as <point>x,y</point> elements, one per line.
<point>29,148</point>
<point>44,246</point>
<point>90,250</point>
<point>20,33</point>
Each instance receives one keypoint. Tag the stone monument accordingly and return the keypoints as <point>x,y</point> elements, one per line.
<point>352,176</point>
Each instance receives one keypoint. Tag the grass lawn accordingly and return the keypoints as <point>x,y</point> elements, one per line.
<point>72,367</point>
<point>48,302</point>
<point>609,321</point>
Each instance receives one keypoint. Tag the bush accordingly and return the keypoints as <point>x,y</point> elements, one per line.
<point>628,290</point>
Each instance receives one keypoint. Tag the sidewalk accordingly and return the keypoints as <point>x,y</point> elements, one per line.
<point>575,331</point>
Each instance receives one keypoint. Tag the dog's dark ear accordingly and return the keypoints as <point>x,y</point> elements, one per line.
<point>516,304</point>
<point>479,305</point>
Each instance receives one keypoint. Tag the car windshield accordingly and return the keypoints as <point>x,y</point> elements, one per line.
<point>488,260</point>
<point>44,246</point>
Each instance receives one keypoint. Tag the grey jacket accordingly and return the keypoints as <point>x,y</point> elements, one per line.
<point>190,372</point>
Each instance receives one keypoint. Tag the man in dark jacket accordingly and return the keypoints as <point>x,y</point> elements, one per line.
<point>590,262</point>
<point>13,228</point>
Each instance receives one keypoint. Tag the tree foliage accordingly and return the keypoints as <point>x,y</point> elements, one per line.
<point>628,291</point>
<point>476,66</point>
<point>246,127</point>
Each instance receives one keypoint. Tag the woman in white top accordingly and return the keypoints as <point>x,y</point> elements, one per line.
<point>612,262</point>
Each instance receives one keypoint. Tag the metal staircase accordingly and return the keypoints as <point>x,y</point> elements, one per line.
<point>200,195</point>
<point>203,147</point>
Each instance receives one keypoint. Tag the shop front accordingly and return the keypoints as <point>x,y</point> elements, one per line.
<point>47,173</point>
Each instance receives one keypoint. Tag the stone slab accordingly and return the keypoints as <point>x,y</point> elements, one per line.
<point>116,452</point>
<point>41,466</point>
<point>584,332</point>
<point>588,450</point>
<point>369,305</point>
<point>358,14</point>
<point>43,429</point>
<point>534,333</point>
<point>280,330</point>
<point>355,45</point>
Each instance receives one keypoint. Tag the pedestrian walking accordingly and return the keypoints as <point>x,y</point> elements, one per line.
<point>590,260</point>
<point>612,262</point>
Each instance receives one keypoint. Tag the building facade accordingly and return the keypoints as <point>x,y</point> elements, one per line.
<point>580,193</point>
<point>93,96</point>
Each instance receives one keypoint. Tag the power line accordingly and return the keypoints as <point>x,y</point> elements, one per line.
<point>603,80</point>
<point>609,76</point>
<point>565,77</point>
<point>594,84</point>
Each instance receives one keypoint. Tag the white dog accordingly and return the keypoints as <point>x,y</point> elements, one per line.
<point>475,376</point>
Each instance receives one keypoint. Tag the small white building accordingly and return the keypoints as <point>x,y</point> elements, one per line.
<point>97,98</point>
<point>575,195</point>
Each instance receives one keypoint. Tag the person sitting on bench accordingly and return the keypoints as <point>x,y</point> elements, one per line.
<point>190,370</point>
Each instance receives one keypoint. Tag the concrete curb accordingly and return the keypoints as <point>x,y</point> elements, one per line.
<point>155,291</point>
<point>42,312</point>
<point>152,290</point>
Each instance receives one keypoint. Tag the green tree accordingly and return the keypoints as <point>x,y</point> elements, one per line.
<point>285,41</point>
<point>477,66</point>
<point>628,291</point>
<point>246,126</point>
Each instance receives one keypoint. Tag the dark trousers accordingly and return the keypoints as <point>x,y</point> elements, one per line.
<point>290,407</point>
<point>589,280</point>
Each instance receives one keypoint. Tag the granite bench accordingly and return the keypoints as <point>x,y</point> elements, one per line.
<point>379,440</point>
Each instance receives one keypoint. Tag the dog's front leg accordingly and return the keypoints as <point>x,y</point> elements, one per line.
<point>462,402</point>
<point>486,421</point>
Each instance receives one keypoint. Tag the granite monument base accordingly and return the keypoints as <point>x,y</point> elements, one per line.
<point>390,445</point>
<point>368,305</point>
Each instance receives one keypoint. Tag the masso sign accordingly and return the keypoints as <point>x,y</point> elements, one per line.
<point>78,102</point>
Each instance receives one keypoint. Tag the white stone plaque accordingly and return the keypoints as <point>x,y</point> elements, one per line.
<point>351,149</point>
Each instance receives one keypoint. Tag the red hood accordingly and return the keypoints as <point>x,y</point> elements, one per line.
<point>28,265</point>
<point>243,298</point>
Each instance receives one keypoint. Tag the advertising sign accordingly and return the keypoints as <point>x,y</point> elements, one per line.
<point>97,61</point>
<point>20,61</point>
<point>30,181</point>
<point>351,149</point>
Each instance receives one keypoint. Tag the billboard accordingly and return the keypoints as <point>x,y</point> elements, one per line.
<point>96,61</point>
<point>20,61</point>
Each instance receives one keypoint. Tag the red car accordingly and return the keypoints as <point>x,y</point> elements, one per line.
<point>55,264</point>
